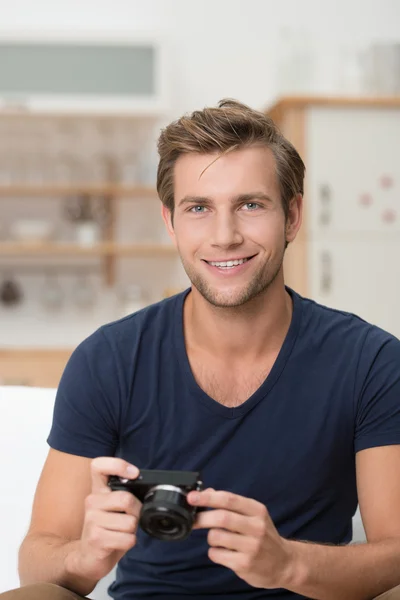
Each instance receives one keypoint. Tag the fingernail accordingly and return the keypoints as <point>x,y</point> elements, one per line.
<point>132,470</point>
<point>194,497</point>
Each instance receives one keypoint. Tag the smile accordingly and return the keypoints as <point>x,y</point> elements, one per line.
<point>228,264</point>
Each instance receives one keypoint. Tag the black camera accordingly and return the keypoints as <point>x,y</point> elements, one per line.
<point>165,514</point>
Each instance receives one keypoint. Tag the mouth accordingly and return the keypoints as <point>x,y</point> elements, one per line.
<point>230,264</point>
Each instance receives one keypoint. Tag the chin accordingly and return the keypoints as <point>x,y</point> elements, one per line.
<point>228,298</point>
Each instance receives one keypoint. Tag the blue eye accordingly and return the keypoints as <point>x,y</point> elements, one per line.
<point>251,205</point>
<point>194,209</point>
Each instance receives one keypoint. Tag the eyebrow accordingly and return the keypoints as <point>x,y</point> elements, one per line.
<point>239,199</point>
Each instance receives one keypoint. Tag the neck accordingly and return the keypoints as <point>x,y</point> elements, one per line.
<point>244,333</point>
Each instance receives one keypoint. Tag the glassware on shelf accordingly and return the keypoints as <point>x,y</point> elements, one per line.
<point>32,150</point>
<point>295,62</point>
<point>131,299</point>
<point>84,293</point>
<point>10,166</point>
<point>87,233</point>
<point>128,154</point>
<point>52,294</point>
<point>382,68</point>
<point>105,161</point>
<point>32,230</point>
<point>79,211</point>
<point>69,165</point>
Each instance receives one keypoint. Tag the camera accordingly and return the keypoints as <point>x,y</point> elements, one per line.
<point>165,514</point>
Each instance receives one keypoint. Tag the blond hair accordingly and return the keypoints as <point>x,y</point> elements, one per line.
<point>229,126</point>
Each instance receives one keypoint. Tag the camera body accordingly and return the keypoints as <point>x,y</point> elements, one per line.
<point>165,514</point>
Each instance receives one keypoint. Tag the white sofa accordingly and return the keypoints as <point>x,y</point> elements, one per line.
<point>25,419</point>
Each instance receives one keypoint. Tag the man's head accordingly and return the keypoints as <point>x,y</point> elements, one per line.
<point>231,188</point>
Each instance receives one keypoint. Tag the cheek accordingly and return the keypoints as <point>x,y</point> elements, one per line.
<point>268,231</point>
<point>189,235</point>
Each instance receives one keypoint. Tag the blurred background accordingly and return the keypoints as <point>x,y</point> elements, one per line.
<point>85,87</point>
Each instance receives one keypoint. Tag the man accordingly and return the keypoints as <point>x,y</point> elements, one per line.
<point>290,410</point>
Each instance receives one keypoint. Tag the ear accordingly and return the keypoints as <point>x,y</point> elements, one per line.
<point>167,218</point>
<point>295,216</point>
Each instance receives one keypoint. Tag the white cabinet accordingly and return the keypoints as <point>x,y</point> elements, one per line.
<point>360,275</point>
<point>347,255</point>
<point>353,164</point>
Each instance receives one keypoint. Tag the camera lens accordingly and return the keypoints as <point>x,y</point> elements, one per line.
<point>166,515</point>
<point>164,524</point>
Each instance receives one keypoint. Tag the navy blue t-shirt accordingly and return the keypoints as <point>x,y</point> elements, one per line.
<point>128,391</point>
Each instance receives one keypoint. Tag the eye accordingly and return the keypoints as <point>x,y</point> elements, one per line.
<point>251,206</point>
<point>197,209</point>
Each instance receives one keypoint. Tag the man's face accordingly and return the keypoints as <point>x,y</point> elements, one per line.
<point>231,212</point>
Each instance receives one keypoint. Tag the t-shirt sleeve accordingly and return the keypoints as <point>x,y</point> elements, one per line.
<point>378,408</point>
<point>87,408</point>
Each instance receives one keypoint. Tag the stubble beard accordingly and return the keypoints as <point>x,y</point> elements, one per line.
<point>259,284</point>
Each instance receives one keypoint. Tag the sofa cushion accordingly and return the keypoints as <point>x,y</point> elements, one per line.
<point>25,419</point>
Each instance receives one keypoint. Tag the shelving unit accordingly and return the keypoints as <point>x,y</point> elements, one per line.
<point>76,151</point>
<point>131,131</point>
<point>109,249</point>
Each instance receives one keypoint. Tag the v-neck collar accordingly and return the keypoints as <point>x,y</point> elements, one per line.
<point>263,390</point>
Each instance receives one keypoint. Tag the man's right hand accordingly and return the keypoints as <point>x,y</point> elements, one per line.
<point>110,521</point>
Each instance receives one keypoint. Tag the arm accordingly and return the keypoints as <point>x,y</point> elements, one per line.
<point>242,537</point>
<point>56,523</point>
<point>367,570</point>
<point>77,532</point>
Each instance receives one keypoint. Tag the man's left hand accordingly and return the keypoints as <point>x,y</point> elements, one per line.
<point>243,538</point>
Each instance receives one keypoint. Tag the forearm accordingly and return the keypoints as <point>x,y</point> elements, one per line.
<point>355,572</point>
<point>50,559</point>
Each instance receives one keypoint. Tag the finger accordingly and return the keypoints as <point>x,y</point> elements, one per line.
<point>114,540</point>
<point>104,466</point>
<point>227,558</point>
<point>222,519</point>
<point>118,501</point>
<point>116,522</point>
<point>228,501</point>
<point>230,541</point>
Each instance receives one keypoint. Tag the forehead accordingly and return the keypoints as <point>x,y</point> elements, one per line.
<point>239,171</point>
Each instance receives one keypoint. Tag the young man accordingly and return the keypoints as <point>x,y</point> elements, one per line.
<point>290,410</point>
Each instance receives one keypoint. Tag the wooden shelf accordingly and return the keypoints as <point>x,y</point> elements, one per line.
<point>111,191</point>
<point>145,249</point>
<point>39,367</point>
<point>284,103</point>
<point>101,249</point>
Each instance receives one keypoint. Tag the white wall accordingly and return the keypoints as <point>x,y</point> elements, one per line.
<point>217,48</point>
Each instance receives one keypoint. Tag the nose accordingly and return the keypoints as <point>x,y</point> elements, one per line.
<point>225,232</point>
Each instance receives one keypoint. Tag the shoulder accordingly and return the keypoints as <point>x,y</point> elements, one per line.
<point>107,359</point>
<point>335,322</point>
<point>346,335</point>
<point>152,322</point>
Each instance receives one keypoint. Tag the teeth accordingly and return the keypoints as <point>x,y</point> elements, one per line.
<point>228,263</point>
